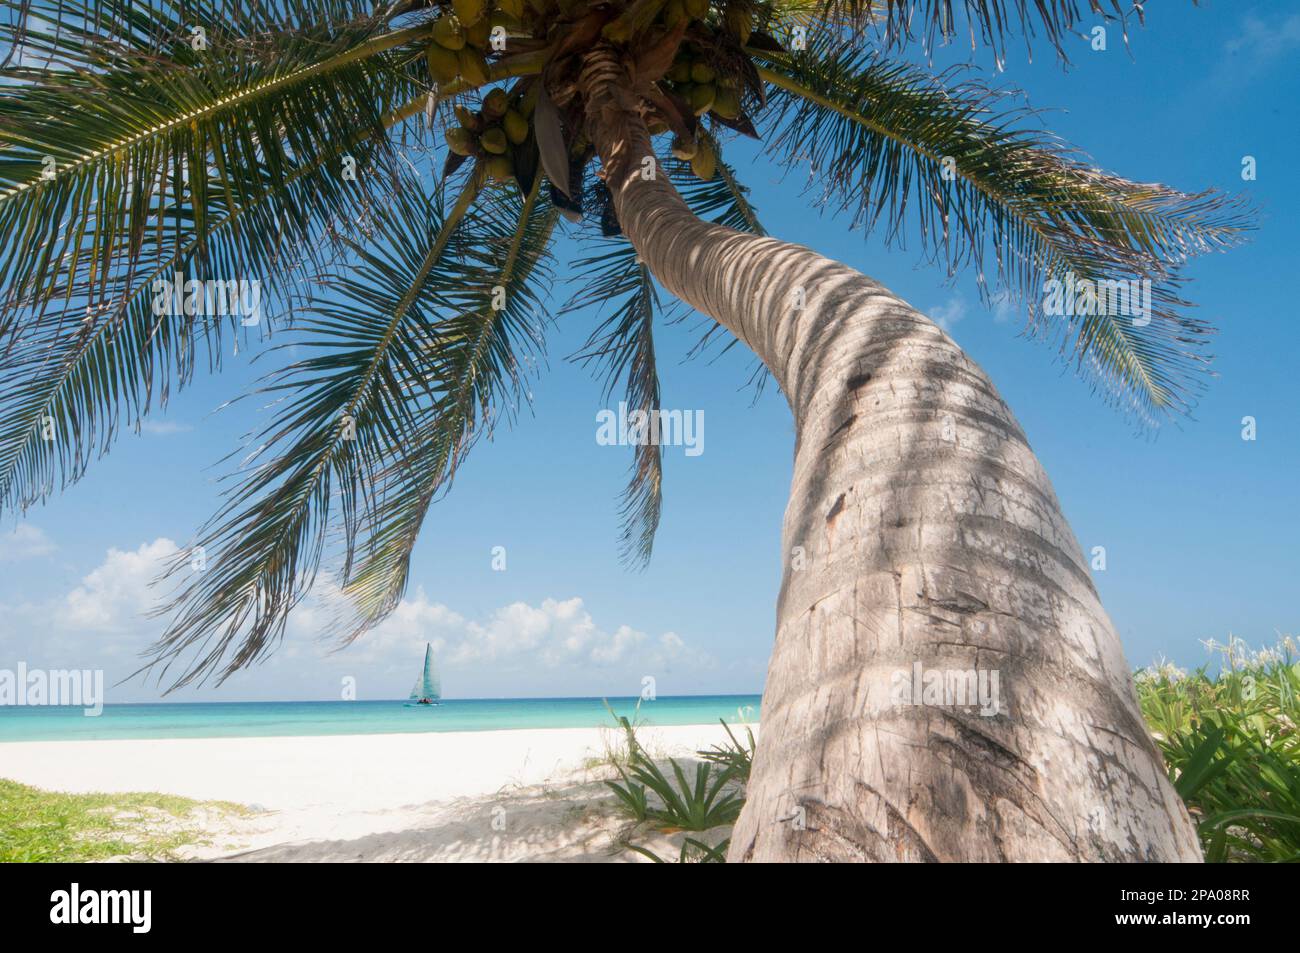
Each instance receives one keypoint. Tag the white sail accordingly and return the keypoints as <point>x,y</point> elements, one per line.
<point>428,685</point>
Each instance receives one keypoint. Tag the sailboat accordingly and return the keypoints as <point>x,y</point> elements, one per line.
<point>428,687</point>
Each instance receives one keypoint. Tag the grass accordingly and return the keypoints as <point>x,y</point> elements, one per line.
<point>50,826</point>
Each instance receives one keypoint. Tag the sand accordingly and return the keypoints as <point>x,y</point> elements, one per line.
<point>490,795</point>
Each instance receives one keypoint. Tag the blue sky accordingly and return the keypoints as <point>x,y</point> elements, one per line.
<point>1199,525</point>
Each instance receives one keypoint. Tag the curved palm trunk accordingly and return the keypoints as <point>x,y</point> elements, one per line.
<point>921,531</point>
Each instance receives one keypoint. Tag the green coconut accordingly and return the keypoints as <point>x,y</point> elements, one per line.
<point>469,11</point>
<point>493,140</point>
<point>443,65</point>
<point>473,68</point>
<point>704,163</point>
<point>448,33</point>
<point>515,126</point>
<point>702,96</point>
<point>460,140</point>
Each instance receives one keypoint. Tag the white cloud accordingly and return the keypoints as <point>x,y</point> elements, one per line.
<point>25,542</point>
<point>552,647</point>
<point>1259,41</point>
<point>555,635</point>
<point>949,313</point>
<point>164,428</point>
<point>114,596</point>
<point>1005,307</point>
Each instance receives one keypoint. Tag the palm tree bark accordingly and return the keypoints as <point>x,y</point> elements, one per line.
<point>921,529</point>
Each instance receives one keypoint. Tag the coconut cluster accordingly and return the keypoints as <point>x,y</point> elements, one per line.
<point>700,80</point>
<point>501,121</point>
<point>462,38</point>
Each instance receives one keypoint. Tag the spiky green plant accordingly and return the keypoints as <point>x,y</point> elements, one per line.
<point>711,800</point>
<point>736,756</point>
<point>214,140</point>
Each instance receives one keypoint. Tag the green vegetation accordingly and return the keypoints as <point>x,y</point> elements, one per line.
<point>712,799</point>
<point>1230,740</point>
<point>1232,747</point>
<point>38,825</point>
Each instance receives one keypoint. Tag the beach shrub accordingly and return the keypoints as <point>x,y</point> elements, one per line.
<point>1230,743</point>
<point>692,852</point>
<point>682,805</point>
<point>1228,732</point>
<point>736,756</point>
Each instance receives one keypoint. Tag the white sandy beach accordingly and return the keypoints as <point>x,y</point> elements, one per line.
<point>489,795</point>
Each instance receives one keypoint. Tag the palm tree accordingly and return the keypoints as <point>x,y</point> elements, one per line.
<point>232,141</point>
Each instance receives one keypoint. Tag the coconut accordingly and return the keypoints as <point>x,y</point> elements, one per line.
<point>516,126</point>
<point>507,21</point>
<point>702,97</point>
<point>473,68</point>
<point>493,140</point>
<point>469,11</point>
<point>496,103</point>
<point>443,65</point>
<point>460,141</point>
<point>448,33</point>
<point>500,168</point>
<point>704,163</point>
<point>739,22</point>
<point>467,117</point>
<point>479,34</point>
<point>727,103</point>
<point>702,73</point>
<point>684,149</point>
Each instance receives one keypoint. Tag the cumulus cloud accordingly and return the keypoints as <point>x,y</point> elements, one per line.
<point>556,633</point>
<point>555,646</point>
<point>25,542</point>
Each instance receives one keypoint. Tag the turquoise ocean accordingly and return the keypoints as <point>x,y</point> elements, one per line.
<point>264,719</point>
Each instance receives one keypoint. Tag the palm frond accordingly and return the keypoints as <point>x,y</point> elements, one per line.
<point>483,355</point>
<point>898,148</point>
<point>622,348</point>
<point>74,373</point>
<point>127,126</point>
<point>988,23</point>
<point>349,409</point>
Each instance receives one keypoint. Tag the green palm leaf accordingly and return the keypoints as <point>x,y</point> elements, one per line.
<point>124,357</point>
<point>483,353</point>
<point>126,109</point>
<point>989,22</point>
<point>897,148</point>
<point>348,410</point>
<point>622,347</point>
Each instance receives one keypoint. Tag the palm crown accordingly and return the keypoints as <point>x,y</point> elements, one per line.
<point>220,141</point>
